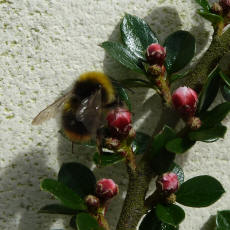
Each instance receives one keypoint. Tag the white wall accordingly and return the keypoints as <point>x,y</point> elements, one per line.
<point>44,46</point>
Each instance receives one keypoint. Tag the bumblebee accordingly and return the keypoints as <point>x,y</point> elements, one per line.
<point>81,107</point>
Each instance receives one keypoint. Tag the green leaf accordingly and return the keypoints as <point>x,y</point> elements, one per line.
<point>57,209</point>
<point>77,177</point>
<point>161,139</point>
<point>225,91</point>
<point>209,91</point>
<point>107,158</point>
<point>200,191</point>
<point>223,220</point>
<point>137,35</point>
<point>180,48</point>
<point>90,143</point>
<point>161,159</point>
<point>179,145</point>
<point>151,222</point>
<point>123,55</point>
<point>176,77</point>
<point>204,4</point>
<point>170,214</point>
<point>208,134</point>
<point>140,143</point>
<point>216,115</point>
<point>213,18</point>
<point>135,83</point>
<point>124,97</point>
<point>85,221</point>
<point>225,78</point>
<point>179,172</point>
<point>67,196</point>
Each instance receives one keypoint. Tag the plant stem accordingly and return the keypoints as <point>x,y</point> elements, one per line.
<point>134,205</point>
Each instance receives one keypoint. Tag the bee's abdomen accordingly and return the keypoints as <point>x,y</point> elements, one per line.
<point>74,129</point>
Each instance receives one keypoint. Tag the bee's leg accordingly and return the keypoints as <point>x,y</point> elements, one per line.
<point>72,147</point>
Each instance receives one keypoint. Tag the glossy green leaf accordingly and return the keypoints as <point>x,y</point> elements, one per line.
<point>208,134</point>
<point>57,209</point>
<point>161,159</point>
<point>223,220</point>
<point>204,4</point>
<point>107,158</point>
<point>213,18</point>
<point>85,221</point>
<point>179,172</point>
<point>225,78</point>
<point>225,91</point>
<point>209,91</point>
<point>170,214</point>
<point>90,143</point>
<point>200,191</point>
<point>137,35</point>
<point>216,115</point>
<point>140,143</point>
<point>124,97</point>
<point>180,48</point>
<point>135,83</point>
<point>151,222</point>
<point>77,177</point>
<point>123,55</point>
<point>161,139</point>
<point>179,145</point>
<point>68,197</point>
<point>176,77</point>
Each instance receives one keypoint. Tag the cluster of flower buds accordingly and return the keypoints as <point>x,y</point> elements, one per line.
<point>185,101</point>
<point>106,189</point>
<point>167,185</point>
<point>155,55</point>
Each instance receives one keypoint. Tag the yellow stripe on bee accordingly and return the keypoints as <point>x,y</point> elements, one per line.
<point>103,80</point>
<point>76,137</point>
<point>67,106</point>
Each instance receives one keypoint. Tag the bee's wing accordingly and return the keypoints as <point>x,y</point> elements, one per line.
<point>89,112</point>
<point>52,110</point>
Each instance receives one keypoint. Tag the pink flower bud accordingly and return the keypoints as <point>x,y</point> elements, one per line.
<point>225,4</point>
<point>168,183</point>
<point>120,120</point>
<point>185,101</point>
<point>92,202</point>
<point>106,189</point>
<point>155,54</point>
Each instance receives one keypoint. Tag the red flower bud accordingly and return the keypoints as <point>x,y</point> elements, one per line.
<point>168,183</point>
<point>156,54</point>
<point>225,4</point>
<point>120,120</point>
<point>92,202</point>
<point>185,101</point>
<point>106,189</point>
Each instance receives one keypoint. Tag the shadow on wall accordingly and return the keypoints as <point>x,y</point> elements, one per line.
<point>210,224</point>
<point>26,187</point>
<point>20,186</point>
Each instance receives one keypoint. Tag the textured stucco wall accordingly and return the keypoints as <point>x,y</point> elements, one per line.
<point>44,46</point>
